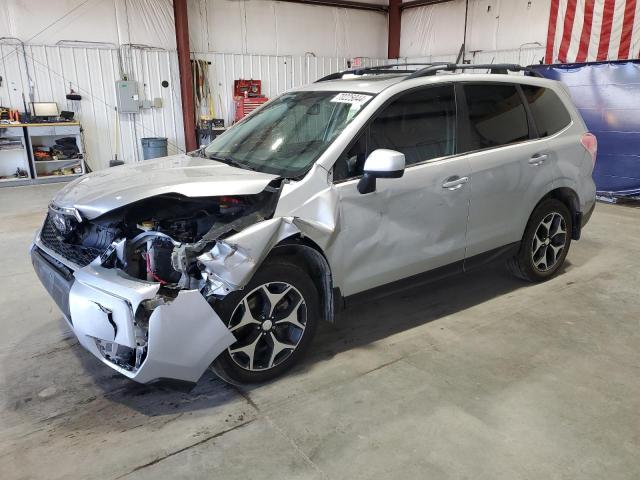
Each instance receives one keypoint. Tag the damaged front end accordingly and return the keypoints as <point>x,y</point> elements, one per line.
<point>141,331</point>
<point>139,288</point>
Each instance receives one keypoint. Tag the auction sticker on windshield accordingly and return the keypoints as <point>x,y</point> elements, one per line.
<point>352,98</point>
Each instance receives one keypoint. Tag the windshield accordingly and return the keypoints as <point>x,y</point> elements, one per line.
<point>286,136</point>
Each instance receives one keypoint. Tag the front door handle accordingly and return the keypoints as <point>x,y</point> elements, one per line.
<point>454,183</point>
<point>538,159</point>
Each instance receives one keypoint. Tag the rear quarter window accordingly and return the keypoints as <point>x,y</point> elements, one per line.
<point>549,113</point>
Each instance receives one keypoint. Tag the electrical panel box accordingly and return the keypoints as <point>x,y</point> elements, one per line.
<point>127,96</point>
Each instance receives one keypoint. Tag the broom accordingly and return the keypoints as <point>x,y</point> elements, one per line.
<point>116,141</point>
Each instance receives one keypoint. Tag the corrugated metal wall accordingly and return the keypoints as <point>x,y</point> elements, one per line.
<point>92,72</point>
<point>281,73</point>
<point>522,56</point>
<point>277,73</point>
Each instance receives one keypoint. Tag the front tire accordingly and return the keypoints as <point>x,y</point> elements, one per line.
<point>274,319</point>
<point>545,243</point>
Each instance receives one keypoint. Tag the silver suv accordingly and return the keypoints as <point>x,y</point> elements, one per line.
<point>230,256</point>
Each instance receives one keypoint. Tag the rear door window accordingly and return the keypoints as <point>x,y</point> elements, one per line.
<point>496,116</point>
<point>549,113</point>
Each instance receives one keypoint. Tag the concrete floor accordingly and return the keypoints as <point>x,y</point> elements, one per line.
<point>479,376</point>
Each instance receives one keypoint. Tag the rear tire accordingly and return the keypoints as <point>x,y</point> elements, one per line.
<point>274,318</point>
<point>545,243</point>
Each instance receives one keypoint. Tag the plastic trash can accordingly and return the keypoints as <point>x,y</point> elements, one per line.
<point>154,147</point>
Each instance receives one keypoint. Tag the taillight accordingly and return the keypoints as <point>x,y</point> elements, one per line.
<point>590,143</point>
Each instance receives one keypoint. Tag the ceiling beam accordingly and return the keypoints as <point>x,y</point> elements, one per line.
<point>421,3</point>
<point>343,4</point>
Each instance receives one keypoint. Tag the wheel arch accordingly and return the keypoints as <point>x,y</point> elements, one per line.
<point>569,197</point>
<point>308,254</point>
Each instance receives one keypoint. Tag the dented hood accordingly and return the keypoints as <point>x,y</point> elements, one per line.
<point>102,191</point>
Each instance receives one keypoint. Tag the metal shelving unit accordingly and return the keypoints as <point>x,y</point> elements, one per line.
<point>54,170</point>
<point>13,156</point>
<point>18,142</point>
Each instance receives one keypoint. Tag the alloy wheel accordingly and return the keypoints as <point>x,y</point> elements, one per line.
<point>268,323</point>
<point>549,241</point>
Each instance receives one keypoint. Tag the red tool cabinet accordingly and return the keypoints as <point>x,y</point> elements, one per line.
<point>246,105</point>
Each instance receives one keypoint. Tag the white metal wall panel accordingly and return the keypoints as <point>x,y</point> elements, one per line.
<point>150,68</point>
<point>45,22</point>
<point>432,30</point>
<point>269,27</point>
<point>522,22</point>
<point>277,73</point>
<point>429,59</point>
<point>521,56</point>
<point>281,73</point>
<point>92,72</point>
<point>492,25</point>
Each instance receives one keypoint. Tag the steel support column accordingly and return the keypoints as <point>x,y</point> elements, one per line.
<point>186,81</point>
<point>395,15</point>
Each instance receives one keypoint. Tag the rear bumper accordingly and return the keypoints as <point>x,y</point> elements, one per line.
<point>586,216</point>
<point>177,340</point>
<point>581,219</point>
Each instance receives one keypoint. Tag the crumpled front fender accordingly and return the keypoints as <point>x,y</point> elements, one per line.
<point>308,208</point>
<point>232,261</point>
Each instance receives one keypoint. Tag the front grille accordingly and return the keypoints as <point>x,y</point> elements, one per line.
<point>81,256</point>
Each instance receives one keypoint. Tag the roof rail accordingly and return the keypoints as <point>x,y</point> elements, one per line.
<point>499,68</point>
<point>380,70</point>
<point>427,69</point>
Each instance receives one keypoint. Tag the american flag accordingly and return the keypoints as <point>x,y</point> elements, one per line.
<point>593,30</point>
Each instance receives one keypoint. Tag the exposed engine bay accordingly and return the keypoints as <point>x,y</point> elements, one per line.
<point>158,239</point>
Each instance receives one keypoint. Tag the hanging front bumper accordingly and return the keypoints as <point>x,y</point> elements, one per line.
<point>110,314</point>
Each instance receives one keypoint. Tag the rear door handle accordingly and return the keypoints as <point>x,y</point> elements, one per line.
<point>538,159</point>
<point>454,183</point>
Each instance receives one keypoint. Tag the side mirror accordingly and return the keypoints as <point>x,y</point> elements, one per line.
<point>381,163</point>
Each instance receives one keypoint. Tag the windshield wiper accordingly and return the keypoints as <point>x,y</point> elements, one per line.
<point>231,161</point>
